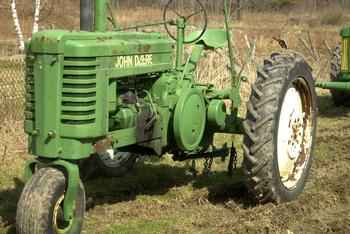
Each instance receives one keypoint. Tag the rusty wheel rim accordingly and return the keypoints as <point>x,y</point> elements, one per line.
<point>295,129</point>
<point>58,223</point>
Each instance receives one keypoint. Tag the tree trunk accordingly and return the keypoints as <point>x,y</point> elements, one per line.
<point>315,5</point>
<point>36,16</point>
<point>238,9</point>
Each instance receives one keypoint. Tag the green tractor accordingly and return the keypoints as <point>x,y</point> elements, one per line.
<point>119,94</point>
<point>339,85</point>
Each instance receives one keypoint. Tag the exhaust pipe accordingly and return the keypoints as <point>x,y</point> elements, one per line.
<point>87,15</point>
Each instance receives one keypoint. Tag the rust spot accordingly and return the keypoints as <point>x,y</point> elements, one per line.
<point>103,145</point>
<point>145,48</point>
<point>102,39</point>
<point>44,39</point>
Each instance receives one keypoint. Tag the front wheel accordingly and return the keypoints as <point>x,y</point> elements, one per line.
<point>40,208</point>
<point>280,129</point>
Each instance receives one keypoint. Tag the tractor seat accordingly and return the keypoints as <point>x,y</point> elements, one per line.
<point>212,38</point>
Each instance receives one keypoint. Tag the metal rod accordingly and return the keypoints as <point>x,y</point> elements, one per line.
<point>180,42</point>
<point>192,61</point>
<point>218,153</point>
<point>100,15</point>
<point>234,79</point>
<point>342,86</point>
<point>144,26</point>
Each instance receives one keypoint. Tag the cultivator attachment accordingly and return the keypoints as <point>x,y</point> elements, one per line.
<point>339,83</point>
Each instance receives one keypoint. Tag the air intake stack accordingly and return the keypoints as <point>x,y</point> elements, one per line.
<point>93,15</point>
<point>86,15</point>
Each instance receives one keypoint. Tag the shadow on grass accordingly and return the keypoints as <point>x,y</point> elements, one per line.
<point>8,205</point>
<point>151,180</point>
<point>223,188</point>
<point>326,108</point>
<point>145,179</point>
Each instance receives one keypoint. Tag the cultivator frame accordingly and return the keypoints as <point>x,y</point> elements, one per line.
<point>341,81</point>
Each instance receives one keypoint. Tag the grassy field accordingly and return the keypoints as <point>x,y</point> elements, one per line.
<point>161,197</point>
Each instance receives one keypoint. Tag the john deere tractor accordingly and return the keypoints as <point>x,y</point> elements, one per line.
<point>340,72</point>
<point>119,94</point>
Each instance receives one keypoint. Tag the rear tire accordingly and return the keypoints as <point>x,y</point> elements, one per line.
<point>39,210</point>
<point>280,129</point>
<point>340,98</point>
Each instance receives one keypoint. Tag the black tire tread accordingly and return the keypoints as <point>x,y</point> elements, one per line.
<point>258,140</point>
<point>34,205</point>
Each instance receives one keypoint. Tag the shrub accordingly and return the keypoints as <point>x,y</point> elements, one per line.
<point>332,17</point>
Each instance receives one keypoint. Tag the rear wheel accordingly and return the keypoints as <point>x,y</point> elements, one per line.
<point>40,208</point>
<point>280,129</point>
<point>340,98</point>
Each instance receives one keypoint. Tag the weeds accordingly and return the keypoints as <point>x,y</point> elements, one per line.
<point>333,16</point>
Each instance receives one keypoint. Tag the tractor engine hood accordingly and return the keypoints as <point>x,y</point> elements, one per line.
<point>96,44</point>
<point>129,53</point>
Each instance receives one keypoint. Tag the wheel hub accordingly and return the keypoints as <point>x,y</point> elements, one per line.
<point>294,135</point>
<point>190,119</point>
<point>58,223</point>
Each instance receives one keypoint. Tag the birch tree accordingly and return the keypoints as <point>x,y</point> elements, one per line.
<point>18,29</point>
<point>36,16</point>
<point>16,22</point>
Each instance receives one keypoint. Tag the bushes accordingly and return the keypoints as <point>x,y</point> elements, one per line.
<point>333,16</point>
<point>265,5</point>
<point>280,4</point>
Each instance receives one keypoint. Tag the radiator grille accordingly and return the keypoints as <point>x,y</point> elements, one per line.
<point>29,110</point>
<point>345,55</point>
<point>79,91</point>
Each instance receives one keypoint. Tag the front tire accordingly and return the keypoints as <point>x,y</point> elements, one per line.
<point>39,210</point>
<point>280,129</point>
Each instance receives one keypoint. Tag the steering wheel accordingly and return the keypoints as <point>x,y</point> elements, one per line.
<point>194,12</point>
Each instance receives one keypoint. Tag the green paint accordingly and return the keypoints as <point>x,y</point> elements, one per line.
<point>73,181</point>
<point>180,42</point>
<point>100,15</point>
<point>342,86</point>
<point>345,32</point>
<point>212,38</point>
<point>125,86</point>
<point>191,64</point>
<point>235,81</point>
<point>217,114</point>
<point>343,79</point>
<point>190,119</point>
